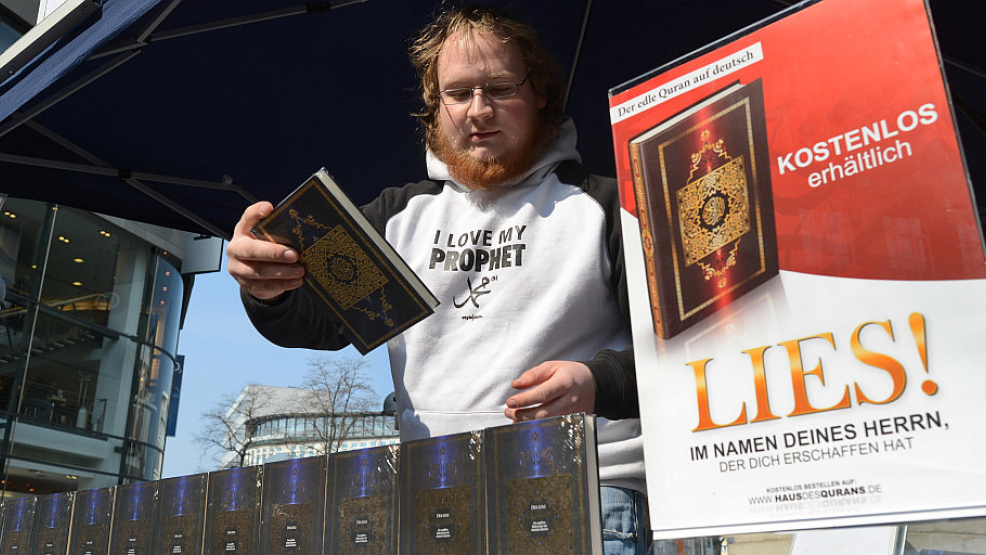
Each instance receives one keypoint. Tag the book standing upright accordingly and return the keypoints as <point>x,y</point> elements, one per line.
<point>18,526</point>
<point>180,515</point>
<point>362,502</point>
<point>543,487</point>
<point>293,507</point>
<point>53,522</point>
<point>91,520</point>
<point>232,522</point>
<point>134,511</point>
<point>443,495</point>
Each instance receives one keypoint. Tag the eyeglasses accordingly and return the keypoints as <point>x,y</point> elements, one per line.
<point>496,90</point>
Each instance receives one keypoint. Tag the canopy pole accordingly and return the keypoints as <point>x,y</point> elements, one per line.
<point>142,39</point>
<point>977,119</point>
<point>111,171</point>
<point>206,225</point>
<point>157,21</point>
<point>141,42</point>
<point>105,169</point>
<point>964,66</point>
<point>101,167</point>
<point>18,118</point>
<point>57,164</point>
<point>83,153</point>
<point>578,52</point>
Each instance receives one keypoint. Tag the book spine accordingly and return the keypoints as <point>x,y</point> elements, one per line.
<point>485,495</point>
<point>590,450</point>
<point>646,238</point>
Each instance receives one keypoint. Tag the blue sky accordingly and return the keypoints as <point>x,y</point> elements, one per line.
<point>223,353</point>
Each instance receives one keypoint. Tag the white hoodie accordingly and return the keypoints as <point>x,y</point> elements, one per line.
<point>523,276</point>
<point>530,273</point>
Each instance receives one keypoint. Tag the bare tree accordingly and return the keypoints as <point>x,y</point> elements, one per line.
<point>226,433</point>
<point>339,396</point>
<point>333,400</point>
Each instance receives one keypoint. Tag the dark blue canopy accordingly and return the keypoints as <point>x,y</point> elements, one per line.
<point>182,113</point>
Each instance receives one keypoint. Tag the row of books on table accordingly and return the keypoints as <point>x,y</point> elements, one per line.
<point>527,488</point>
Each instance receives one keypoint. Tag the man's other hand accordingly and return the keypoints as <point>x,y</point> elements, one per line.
<point>552,388</point>
<point>263,269</point>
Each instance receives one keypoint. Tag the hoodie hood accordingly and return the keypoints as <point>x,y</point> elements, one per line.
<point>560,150</point>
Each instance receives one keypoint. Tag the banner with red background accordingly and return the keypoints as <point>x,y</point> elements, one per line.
<point>846,389</point>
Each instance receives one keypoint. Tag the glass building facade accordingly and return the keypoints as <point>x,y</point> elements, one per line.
<point>88,334</point>
<point>302,435</point>
<point>270,428</point>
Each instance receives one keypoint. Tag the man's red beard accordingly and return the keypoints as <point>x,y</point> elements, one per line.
<point>487,174</point>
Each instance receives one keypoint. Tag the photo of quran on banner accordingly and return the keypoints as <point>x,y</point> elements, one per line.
<point>807,277</point>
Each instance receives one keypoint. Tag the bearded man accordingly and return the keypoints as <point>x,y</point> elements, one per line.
<point>520,244</point>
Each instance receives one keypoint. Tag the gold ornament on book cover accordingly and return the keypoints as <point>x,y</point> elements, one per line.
<point>361,525</point>
<point>342,268</point>
<point>230,534</point>
<point>536,522</point>
<point>291,527</point>
<point>442,521</point>
<point>714,209</point>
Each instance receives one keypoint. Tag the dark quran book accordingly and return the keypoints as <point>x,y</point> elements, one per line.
<point>91,521</point>
<point>543,487</point>
<point>180,515</point>
<point>362,502</point>
<point>442,495</point>
<point>133,519</point>
<point>18,526</point>
<point>293,507</point>
<point>52,523</point>
<point>232,522</point>
<point>358,277</point>
<point>702,184</point>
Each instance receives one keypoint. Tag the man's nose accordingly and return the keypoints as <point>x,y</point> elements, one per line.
<point>480,105</point>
